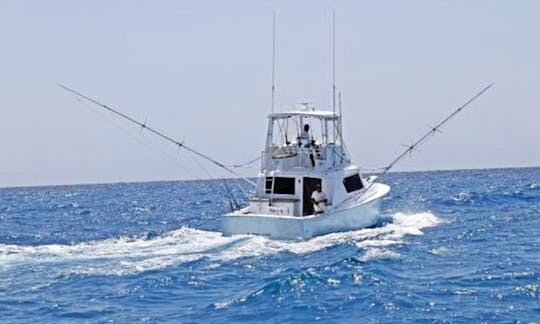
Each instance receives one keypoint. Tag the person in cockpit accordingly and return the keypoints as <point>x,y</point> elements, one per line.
<point>318,198</point>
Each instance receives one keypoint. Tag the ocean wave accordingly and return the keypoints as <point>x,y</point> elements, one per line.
<point>374,243</point>
<point>377,253</point>
<point>282,289</point>
<point>127,255</point>
<point>491,196</point>
<point>461,197</point>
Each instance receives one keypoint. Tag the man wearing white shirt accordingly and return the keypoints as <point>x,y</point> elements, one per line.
<point>306,140</point>
<point>318,197</point>
<point>304,136</point>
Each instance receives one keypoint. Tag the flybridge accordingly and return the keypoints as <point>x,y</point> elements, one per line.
<point>305,138</point>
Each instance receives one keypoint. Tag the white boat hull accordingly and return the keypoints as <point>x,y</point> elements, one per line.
<point>364,213</point>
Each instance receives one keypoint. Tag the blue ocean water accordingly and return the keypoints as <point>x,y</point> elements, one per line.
<point>452,246</point>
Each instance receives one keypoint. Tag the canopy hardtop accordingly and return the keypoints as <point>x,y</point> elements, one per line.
<point>321,114</point>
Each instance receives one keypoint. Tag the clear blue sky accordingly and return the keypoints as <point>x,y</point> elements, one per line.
<point>201,71</point>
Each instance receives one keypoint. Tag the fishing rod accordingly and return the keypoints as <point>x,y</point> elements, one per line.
<point>158,133</point>
<point>433,130</point>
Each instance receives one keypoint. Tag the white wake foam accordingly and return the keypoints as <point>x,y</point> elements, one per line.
<point>126,256</point>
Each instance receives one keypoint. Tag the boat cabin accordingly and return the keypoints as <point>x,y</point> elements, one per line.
<point>304,149</point>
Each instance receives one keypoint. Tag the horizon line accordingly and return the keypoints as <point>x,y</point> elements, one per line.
<point>228,178</point>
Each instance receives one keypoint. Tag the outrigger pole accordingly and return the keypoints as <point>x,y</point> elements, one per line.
<point>155,132</point>
<point>412,147</point>
<point>433,130</point>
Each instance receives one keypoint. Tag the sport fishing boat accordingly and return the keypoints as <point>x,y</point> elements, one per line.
<point>305,159</point>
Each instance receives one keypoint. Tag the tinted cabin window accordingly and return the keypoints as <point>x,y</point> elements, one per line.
<point>352,183</point>
<point>284,186</point>
<point>268,185</point>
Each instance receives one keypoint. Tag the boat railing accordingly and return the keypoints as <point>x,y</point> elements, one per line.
<point>284,151</point>
<point>295,155</point>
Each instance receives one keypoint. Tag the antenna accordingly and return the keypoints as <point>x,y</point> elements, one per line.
<point>340,125</point>
<point>273,59</point>
<point>334,60</point>
<point>334,68</point>
<point>340,120</point>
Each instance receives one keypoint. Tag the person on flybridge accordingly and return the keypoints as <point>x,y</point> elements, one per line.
<point>318,197</point>
<point>304,136</point>
<point>306,140</point>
